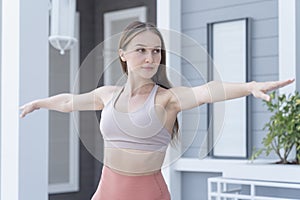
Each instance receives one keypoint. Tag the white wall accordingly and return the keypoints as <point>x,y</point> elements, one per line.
<point>0,84</point>
<point>24,77</point>
<point>287,42</point>
<point>298,45</point>
<point>169,23</point>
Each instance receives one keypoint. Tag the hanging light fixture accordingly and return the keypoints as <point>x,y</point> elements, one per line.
<point>62,35</point>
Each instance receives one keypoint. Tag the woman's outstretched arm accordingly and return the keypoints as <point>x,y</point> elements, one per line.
<point>70,102</point>
<point>215,91</point>
<point>220,91</point>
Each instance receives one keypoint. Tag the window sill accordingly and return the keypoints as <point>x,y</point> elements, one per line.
<point>242,169</point>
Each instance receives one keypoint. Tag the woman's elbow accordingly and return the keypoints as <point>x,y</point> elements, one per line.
<point>68,107</point>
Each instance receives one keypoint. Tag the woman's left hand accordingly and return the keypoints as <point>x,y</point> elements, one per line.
<point>259,89</point>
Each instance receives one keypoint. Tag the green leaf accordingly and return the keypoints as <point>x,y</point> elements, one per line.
<point>283,127</point>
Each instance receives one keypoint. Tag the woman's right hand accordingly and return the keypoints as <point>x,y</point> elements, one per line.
<point>28,108</point>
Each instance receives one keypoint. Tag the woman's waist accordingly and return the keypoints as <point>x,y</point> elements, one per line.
<point>134,143</point>
<point>133,162</point>
<point>133,174</point>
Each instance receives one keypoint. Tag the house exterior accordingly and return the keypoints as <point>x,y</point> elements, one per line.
<point>25,156</point>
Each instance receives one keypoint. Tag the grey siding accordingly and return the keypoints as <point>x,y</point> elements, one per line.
<point>264,42</point>
<point>58,122</point>
<point>199,183</point>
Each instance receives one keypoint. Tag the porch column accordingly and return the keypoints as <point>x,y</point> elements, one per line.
<point>24,77</point>
<point>287,42</point>
<point>297,12</point>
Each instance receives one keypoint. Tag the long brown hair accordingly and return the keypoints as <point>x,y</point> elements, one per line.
<point>160,78</point>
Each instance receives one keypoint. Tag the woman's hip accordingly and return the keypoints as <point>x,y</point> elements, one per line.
<point>115,186</point>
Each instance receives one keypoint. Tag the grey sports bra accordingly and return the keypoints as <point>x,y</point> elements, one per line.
<point>141,129</point>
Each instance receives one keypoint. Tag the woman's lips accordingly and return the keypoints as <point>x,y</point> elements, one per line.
<point>147,68</point>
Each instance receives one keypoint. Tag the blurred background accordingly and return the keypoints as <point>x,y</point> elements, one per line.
<point>56,156</point>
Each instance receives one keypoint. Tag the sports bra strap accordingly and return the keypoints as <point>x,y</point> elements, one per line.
<point>151,98</point>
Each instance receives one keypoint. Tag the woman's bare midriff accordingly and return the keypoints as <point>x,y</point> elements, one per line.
<point>133,162</point>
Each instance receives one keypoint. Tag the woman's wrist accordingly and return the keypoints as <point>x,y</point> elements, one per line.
<point>250,87</point>
<point>35,104</point>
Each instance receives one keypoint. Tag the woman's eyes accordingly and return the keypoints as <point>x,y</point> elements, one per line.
<point>143,50</point>
<point>156,50</point>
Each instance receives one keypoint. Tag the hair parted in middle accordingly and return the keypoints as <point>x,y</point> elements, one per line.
<point>160,77</point>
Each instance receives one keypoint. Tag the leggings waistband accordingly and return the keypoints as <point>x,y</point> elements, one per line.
<point>115,186</point>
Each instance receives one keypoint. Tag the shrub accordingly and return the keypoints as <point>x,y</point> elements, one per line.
<point>283,128</point>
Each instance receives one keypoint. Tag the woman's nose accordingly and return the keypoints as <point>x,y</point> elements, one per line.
<point>149,58</point>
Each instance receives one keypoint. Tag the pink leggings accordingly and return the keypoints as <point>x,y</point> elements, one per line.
<point>115,186</point>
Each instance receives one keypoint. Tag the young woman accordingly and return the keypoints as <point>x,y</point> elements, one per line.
<point>139,119</point>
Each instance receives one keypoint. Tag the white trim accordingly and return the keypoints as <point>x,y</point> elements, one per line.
<point>287,42</point>
<point>62,188</point>
<point>169,22</point>
<point>234,192</point>
<point>10,89</point>
<point>230,50</point>
<point>261,170</point>
<point>163,14</point>
<point>109,18</point>
<point>74,173</point>
<point>0,86</point>
<point>125,13</point>
<point>73,184</point>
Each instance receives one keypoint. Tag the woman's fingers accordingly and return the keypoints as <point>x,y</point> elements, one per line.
<point>26,108</point>
<point>274,85</point>
<point>261,95</point>
<point>286,82</point>
<point>265,97</point>
<point>269,86</point>
<point>23,113</point>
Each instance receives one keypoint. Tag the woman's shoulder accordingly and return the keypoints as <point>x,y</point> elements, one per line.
<point>107,92</point>
<point>164,95</point>
<point>108,89</point>
<point>165,92</point>
<point>168,97</point>
<point>161,91</point>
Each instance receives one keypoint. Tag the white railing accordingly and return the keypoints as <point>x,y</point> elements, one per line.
<point>220,188</point>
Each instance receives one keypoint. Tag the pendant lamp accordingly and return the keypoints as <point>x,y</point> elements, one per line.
<point>62,22</point>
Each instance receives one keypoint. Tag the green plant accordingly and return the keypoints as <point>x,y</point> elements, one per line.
<point>283,128</point>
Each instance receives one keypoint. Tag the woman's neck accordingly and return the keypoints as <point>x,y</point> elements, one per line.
<point>133,87</point>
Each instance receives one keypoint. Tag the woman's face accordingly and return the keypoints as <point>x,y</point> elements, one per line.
<point>143,54</point>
